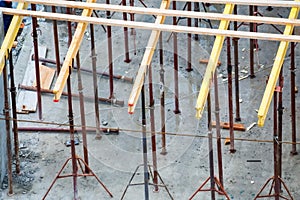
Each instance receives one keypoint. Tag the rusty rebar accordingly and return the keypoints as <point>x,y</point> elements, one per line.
<point>127,59</point>
<point>236,71</point>
<point>69,25</point>
<point>153,135</point>
<point>110,57</point>
<point>101,99</point>
<point>280,113</point>
<point>56,42</point>
<point>230,104</point>
<point>104,74</point>
<point>252,75</point>
<point>36,62</point>
<point>7,126</point>
<point>95,82</point>
<point>162,97</point>
<point>210,149</point>
<point>144,139</point>
<point>218,129</point>
<point>255,26</point>
<point>275,144</point>
<point>82,113</point>
<point>175,49</point>
<point>293,100</point>
<point>196,20</point>
<point>14,112</point>
<point>189,41</point>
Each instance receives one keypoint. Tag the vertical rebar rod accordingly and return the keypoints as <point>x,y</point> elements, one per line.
<point>230,104</point>
<point>293,100</point>
<point>133,32</point>
<point>153,135</point>
<point>56,42</point>
<point>14,112</point>
<point>73,150</point>
<point>280,113</point>
<point>275,144</point>
<point>236,71</point>
<point>110,57</point>
<point>255,26</point>
<point>7,126</point>
<point>196,24</point>
<point>127,59</point>
<point>251,45</point>
<point>162,97</point>
<point>144,139</point>
<point>36,62</point>
<point>95,81</point>
<point>189,41</point>
<point>69,25</point>
<point>218,129</point>
<point>82,114</point>
<point>210,149</point>
<point>175,49</point>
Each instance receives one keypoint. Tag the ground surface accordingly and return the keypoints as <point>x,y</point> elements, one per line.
<point>114,158</point>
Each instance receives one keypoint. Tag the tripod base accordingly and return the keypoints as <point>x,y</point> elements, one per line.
<point>220,189</point>
<point>259,195</point>
<point>137,184</point>
<point>81,163</point>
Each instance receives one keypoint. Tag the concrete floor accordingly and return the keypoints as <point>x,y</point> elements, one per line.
<point>115,157</point>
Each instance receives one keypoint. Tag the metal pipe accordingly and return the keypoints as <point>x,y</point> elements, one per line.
<point>119,77</point>
<point>252,75</point>
<point>275,144</point>
<point>293,100</point>
<point>36,62</point>
<point>69,25</point>
<point>82,115</point>
<point>95,82</point>
<point>58,129</point>
<point>210,149</point>
<point>153,135</point>
<point>280,113</point>
<point>127,59</point>
<point>230,105</point>
<point>71,122</point>
<point>144,139</point>
<point>175,48</point>
<point>255,26</point>
<point>189,41</point>
<point>110,61</point>
<point>196,9</point>
<point>218,129</point>
<point>7,126</point>
<point>56,42</point>
<point>14,112</point>
<point>104,100</point>
<point>162,97</point>
<point>236,71</point>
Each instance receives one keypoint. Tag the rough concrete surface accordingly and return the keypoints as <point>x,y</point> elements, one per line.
<point>115,157</point>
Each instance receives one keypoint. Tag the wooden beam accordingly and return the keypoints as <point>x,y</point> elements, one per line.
<point>273,3</point>
<point>212,64</point>
<point>146,61</point>
<point>279,59</point>
<point>158,27</point>
<point>164,12</point>
<point>11,36</point>
<point>72,52</point>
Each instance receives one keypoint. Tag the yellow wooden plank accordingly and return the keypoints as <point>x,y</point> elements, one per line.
<point>269,91</point>
<point>72,51</point>
<point>146,61</point>
<point>212,63</point>
<point>10,36</point>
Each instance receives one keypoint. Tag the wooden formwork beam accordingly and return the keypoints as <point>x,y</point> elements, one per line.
<point>164,12</point>
<point>212,63</point>
<point>146,61</point>
<point>11,35</point>
<point>282,49</point>
<point>72,52</point>
<point>157,27</point>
